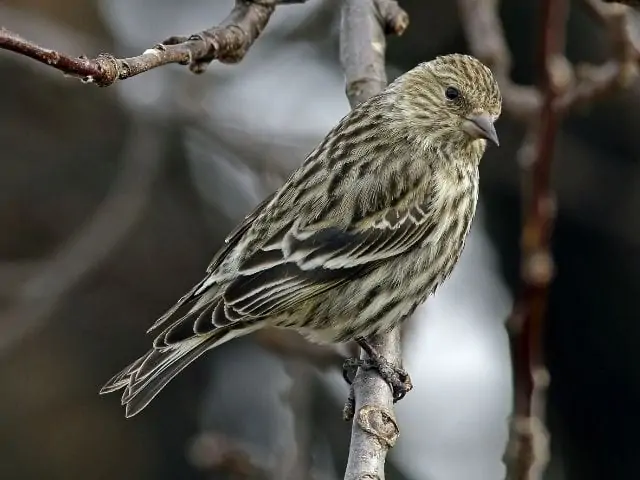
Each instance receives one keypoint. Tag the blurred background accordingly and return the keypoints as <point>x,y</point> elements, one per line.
<point>112,202</point>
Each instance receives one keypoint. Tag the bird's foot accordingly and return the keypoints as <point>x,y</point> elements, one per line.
<point>397,378</point>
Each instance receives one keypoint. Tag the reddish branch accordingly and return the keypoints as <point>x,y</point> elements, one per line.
<point>559,89</point>
<point>227,43</point>
<point>529,438</point>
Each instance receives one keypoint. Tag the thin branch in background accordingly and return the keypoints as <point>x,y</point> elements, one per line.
<point>529,438</point>
<point>227,42</point>
<point>594,81</point>
<point>362,54</point>
<point>560,89</point>
<point>123,206</point>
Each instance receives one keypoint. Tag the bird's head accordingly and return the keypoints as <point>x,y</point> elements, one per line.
<point>452,100</point>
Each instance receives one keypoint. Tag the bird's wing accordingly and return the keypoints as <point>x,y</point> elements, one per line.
<point>303,262</point>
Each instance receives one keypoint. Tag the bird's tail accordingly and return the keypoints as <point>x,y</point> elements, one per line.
<point>147,376</point>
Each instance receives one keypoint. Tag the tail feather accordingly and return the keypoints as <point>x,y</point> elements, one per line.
<point>121,379</point>
<point>148,375</point>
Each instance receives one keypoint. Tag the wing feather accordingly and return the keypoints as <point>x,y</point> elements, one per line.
<point>307,262</point>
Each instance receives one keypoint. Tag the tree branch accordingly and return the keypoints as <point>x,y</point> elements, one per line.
<point>228,43</point>
<point>362,54</point>
<point>594,81</point>
<point>362,44</point>
<point>529,438</point>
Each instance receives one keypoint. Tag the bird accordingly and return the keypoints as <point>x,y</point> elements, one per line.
<point>359,235</point>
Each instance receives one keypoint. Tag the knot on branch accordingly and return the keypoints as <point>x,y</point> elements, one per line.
<point>392,17</point>
<point>227,44</point>
<point>380,423</point>
<point>538,268</point>
<point>230,41</point>
<point>528,445</point>
<point>560,74</point>
<point>109,71</point>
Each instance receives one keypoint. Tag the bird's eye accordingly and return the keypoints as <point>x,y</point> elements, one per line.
<point>452,93</point>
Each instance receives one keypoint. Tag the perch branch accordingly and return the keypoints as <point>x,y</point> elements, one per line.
<point>227,43</point>
<point>362,54</point>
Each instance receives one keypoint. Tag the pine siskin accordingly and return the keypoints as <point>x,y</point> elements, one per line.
<point>359,235</point>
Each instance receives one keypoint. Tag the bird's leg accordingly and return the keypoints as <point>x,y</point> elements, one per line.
<point>397,378</point>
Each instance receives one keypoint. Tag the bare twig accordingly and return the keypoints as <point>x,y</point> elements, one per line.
<point>593,81</point>
<point>362,53</point>
<point>108,226</point>
<point>227,42</point>
<point>375,429</point>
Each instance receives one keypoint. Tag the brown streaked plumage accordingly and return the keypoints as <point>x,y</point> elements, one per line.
<point>360,234</point>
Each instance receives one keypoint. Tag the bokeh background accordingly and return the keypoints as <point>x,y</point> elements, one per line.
<point>112,202</point>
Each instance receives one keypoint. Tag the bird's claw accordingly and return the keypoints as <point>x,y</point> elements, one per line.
<point>398,379</point>
<point>350,367</point>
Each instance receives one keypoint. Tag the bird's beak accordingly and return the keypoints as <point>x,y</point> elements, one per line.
<point>480,125</point>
